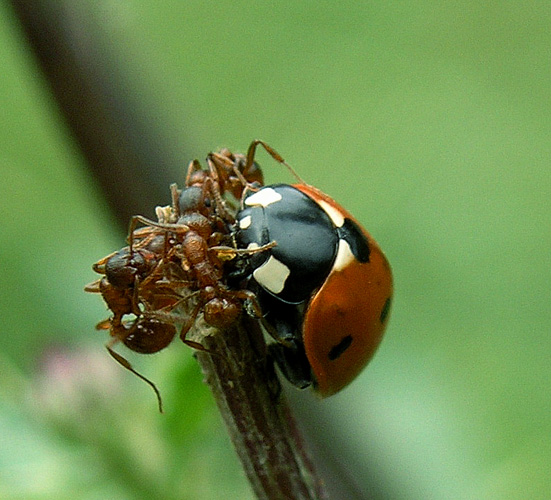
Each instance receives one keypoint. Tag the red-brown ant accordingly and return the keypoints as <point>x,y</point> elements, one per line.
<point>175,268</point>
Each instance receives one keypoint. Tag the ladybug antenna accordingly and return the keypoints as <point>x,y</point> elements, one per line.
<point>273,153</point>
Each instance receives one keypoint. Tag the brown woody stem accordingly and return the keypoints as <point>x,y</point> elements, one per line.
<point>256,414</point>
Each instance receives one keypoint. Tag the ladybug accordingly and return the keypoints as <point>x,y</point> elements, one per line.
<point>325,288</point>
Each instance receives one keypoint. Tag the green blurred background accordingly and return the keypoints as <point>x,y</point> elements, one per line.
<point>430,121</point>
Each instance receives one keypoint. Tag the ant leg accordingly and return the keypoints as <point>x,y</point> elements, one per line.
<point>175,195</point>
<point>218,159</point>
<point>240,171</point>
<point>132,228</point>
<point>212,159</point>
<point>272,152</point>
<point>250,297</point>
<point>193,166</point>
<point>213,182</point>
<point>136,298</point>
<point>175,228</point>
<point>126,364</point>
<point>248,188</point>
<point>231,253</point>
<point>187,327</point>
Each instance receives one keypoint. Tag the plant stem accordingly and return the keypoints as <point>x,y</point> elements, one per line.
<point>256,414</point>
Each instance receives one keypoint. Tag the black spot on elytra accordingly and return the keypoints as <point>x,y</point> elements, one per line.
<point>337,350</point>
<point>384,311</point>
<point>355,237</point>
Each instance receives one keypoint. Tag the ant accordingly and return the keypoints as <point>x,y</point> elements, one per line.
<point>175,267</point>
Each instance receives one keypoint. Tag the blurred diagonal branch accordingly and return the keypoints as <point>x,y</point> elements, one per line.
<point>129,158</point>
<point>132,165</point>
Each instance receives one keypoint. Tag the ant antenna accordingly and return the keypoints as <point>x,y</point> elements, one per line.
<point>273,153</point>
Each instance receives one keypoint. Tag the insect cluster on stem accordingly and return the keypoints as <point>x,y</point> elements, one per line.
<point>288,254</point>
<point>177,267</point>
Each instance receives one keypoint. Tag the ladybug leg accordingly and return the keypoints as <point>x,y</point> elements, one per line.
<point>293,363</point>
<point>274,383</point>
<point>282,321</point>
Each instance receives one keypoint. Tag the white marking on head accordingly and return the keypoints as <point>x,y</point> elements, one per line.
<point>272,275</point>
<point>334,214</point>
<point>263,198</point>
<point>245,222</point>
<point>344,256</point>
<point>253,246</point>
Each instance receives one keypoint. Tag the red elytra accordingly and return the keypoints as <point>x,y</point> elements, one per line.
<point>355,300</point>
